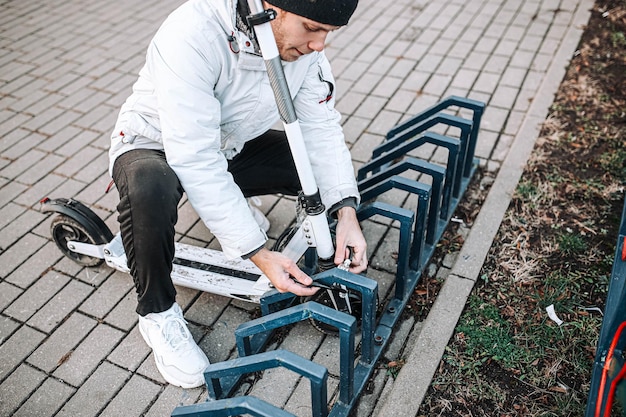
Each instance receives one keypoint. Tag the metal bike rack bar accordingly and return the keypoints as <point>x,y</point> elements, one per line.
<point>420,228</point>
<point>477,108</point>
<point>316,374</point>
<point>231,407</point>
<point>453,170</point>
<point>345,323</point>
<point>405,218</point>
<point>614,317</point>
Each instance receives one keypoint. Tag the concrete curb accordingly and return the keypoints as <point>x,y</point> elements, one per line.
<point>413,380</point>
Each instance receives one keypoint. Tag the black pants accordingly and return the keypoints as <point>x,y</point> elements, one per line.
<point>148,208</point>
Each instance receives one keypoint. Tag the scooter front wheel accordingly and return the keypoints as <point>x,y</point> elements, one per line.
<point>64,229</point>
<point>344,300</point>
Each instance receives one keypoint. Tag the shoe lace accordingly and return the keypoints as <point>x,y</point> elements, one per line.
<point>175,333</point>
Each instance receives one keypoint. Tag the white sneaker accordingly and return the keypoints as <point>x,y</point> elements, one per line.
<point>177,356</point>
<point>254,203</point>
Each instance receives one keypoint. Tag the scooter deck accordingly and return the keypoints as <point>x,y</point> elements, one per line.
<point>203,269</point>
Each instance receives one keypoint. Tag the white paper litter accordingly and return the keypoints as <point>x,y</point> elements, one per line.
<point>552,315</point>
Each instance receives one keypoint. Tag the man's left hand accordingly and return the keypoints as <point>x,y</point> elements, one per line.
<point>349,234</point>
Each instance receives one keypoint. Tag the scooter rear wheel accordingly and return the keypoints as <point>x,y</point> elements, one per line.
<point>65,229</point>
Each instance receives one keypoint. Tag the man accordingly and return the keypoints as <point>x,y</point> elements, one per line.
<point>199,121</point>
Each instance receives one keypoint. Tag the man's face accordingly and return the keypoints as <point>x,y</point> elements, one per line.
<point>296,35</point>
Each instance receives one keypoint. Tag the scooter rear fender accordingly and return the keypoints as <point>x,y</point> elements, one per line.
<point>80,213</point>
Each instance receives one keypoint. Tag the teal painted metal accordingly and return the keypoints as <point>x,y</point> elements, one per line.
<point>420,228</point>
<point>231,407</point>
<point>614,316</point>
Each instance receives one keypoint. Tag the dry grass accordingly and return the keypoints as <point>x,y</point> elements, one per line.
<point>555,247</point>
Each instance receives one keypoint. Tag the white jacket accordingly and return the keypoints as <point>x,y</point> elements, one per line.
<point>200,102</point>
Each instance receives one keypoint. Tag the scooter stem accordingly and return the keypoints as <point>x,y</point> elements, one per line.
<point>260,19</point>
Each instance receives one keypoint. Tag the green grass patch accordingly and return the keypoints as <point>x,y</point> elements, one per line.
<point>488,336</point>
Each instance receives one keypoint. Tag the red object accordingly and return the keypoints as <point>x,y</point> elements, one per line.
<point>605,371</point>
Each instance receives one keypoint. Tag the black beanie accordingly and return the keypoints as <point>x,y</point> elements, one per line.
<point>328,12</point>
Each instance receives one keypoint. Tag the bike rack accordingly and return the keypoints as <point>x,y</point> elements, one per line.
<point>420,228</point>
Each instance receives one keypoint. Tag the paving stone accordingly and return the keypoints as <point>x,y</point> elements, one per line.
<point>36,296</point>
<point>18,387</point>
<point>36,266</point>
<point>60,121</point>
<point>70,146</point>
<point>123,315</point>
<point>513,124</point>
<point>502,147</point>
<point>354,127</point>
<point>110,292</point>
<point>15,349</point>
<point>370,107</point>
<point>59,139</point>
<point>85,155</point>
<point>281,216</point>
<point>557,31</point>
<point>131,352</point>
<point>19,227</point>
<point>22,163</point>
<point>95,393</point>
<point>62,342</point>
<point>71,268</point>
<point>7,327</point>
<point>101,119</point>
<point>16,152</point>
<point>60,306</point>
<point>17,253</point>
<point>173,397</point>
<point>32,196</point>
<point>8,294</point>
<point>200,232</point>
<point>387,87</point>
<point>362,150</point>
<point>382,122</point>
<point>48,398</point>
<point>382,66</point>
<point>486,45</point>
<point>219,342</point>
<point>349,102</point>
<point>504,97</point>
<point>494,118</point>
<point>94,195</point>
<point>402,67</point>
<point>276,385</point>
<point>108,84</point>
<point>88,355</point>
<point>486,144</point>
<point>16,84</point>
<point>42,121</point>
<point>12,139</point>
<point>10,212</point>
<point>134,398</point>
<point>48,100</point>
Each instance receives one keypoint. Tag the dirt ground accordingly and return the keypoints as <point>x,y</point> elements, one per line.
<point>555,247</point>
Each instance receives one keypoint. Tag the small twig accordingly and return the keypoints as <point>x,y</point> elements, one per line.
<point>590,230</point>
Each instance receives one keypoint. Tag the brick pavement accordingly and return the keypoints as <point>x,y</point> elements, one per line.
<point>69,344</point>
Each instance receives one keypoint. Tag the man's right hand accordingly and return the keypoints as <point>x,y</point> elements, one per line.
<point>283,273</point>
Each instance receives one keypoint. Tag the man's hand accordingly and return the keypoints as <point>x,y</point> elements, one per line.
<point>283,273</point>
<point>349,234</point>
